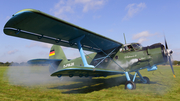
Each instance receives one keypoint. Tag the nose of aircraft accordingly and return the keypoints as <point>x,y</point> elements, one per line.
<point>169,52</point>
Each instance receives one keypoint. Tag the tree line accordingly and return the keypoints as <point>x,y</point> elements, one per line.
<point>12,63</point>
<point>176,62</point>
<point>19,64</point>
<point>26,64</point>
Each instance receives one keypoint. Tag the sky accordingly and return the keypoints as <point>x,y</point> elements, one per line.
<point>142,21</point>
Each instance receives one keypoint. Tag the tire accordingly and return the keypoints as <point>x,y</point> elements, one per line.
<point>59,75</point>
<point>71,75</point>
<point>147,80</point>
<point>130,85</point>
<point>80,75</point>
<point>86,75</point>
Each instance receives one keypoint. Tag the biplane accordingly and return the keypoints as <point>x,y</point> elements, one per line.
<point>109,57</point>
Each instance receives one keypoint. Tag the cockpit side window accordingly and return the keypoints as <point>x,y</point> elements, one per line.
<point>126,48</point>
<point>130,48</point>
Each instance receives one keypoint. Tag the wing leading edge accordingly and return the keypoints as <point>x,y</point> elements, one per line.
<point>35,25</point>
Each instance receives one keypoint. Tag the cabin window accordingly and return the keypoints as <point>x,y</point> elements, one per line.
<point>106,60</point>
<point>126,48</point>
<point>130,48</point>
<point>116,57</point>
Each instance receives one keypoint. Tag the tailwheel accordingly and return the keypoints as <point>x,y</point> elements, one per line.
<point>130,85</point>
<point>146,80</point>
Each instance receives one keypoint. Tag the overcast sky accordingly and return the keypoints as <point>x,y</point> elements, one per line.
<point>142,21</point>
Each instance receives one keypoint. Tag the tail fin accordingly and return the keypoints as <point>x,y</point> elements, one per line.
<point>56,52</point>
<point>56,56</point>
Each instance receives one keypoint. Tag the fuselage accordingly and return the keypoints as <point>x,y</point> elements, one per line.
<point>129,57</point>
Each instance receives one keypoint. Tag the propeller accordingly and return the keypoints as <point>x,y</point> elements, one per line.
<point>169,54</point>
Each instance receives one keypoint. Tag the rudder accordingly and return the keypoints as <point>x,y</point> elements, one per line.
<point>56,52</point>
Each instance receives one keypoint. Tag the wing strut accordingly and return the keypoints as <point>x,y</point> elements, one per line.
<point>77,40</point>
<point>105,57</point>
<point>106,54</point>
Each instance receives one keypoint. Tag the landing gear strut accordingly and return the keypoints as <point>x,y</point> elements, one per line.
<point>146,80</point>
<point>130,84</point>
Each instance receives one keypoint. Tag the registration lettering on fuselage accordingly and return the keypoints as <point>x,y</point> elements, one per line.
<point>131,56</point>
<point>69,64</point>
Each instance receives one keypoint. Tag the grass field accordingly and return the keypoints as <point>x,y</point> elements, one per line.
<point>163,87</point>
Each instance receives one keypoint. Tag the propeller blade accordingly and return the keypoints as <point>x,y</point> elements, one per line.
<point>170,62</point>
<point>165,43</point>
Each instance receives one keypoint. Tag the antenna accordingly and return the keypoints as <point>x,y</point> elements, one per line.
<point>124,38</point>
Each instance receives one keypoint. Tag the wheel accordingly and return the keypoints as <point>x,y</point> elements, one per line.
<point>105,75</point>
<point>130,85</point>
<point>80,75</point>
<point>71,75</point>
<point>96,76</point>
<point>59,75</point>
<point>86,75</point>
<point>147,81</point>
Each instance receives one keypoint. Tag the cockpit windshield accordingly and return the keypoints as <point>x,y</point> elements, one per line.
<point>137,46</point>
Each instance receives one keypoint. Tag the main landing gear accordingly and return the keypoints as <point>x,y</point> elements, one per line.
<point>131,85</point>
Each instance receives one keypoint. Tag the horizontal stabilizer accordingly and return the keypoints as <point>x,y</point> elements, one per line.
<point>84,71</point>
<point>44,61</point>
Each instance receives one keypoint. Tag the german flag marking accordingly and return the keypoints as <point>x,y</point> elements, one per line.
<point>52,52</point>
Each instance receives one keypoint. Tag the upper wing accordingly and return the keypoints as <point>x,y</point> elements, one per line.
<point>84,71</point>
<point>35,25</point>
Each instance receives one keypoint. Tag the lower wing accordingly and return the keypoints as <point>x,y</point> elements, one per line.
<point>84,71</point>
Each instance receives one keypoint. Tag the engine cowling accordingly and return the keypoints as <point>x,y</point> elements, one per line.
<point>157,53</point>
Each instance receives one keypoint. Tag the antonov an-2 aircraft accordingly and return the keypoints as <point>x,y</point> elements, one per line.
<point>110,57</point>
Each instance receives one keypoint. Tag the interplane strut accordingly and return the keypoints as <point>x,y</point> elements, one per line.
<point>78,41</point>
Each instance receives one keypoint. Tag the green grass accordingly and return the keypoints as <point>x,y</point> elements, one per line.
<point>163,87</point>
